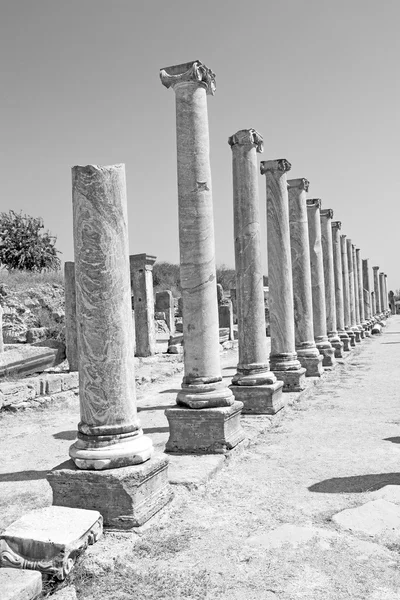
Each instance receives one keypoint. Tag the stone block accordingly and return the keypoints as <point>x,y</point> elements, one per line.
<point>20,585</point>
<point>70,380</point>
<point>205,430</point>
<point>53,384</point>
<point>312,365</point>
<point>293,381</point>
<point>259,399</point>
<point>328,357</point>
<point>126,497</point>
<point>16,392</point>
<point>375,518</point>
<point>49,539</point>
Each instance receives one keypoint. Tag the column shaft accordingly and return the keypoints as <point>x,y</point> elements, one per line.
<point>71,335</point>
<point>376,291</point>
<point>141,269</point>
<point>339,297</point>
<point>382,292</point>
<point>353,318</point>
<point>356,293</point>
<point>367,290</point>
<point>363,321</point>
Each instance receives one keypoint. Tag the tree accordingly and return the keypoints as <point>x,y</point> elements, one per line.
<point>24,246</point>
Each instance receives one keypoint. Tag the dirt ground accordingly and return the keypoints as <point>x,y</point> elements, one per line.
<point>262,528</point>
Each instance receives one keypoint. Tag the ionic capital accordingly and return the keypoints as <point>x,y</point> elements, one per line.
<point>245,137</point>
<point>336,224</point>
<point>327,212</point>
<point>280,164</point>
<point>314,203</point>
<point>375,268</point>
<point>302,184</point>
<point>191,72</point>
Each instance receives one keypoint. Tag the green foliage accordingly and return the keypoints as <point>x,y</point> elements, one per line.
<point>23,244</point>
<point>226,277</point>
<point>166,277</point>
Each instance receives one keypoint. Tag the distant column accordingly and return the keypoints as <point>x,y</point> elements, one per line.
<point>307,351</point>
<point>367,290</point>
<point>356,294</point>
<point>217,430</point>
<point>337,266</point>
<point>254,384</point>
<point>376,291</point>
<point>386,294</point>
<point>382,292</point>
<point>283,358</point>
<point>141,266</point>
<point>373,305</point>
<point>317,282</point>
<point>391,301</point>
<point>346,291</point>
<point>71,335</point>
<point>353,318</point>
<point>326,216</point>
<point>165,303</point>
<point>363,320</point>
<point>1,330</point>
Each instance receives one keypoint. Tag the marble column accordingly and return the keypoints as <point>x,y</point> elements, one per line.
<point>71,335</point>
<point>307,351</point>
<point>363,320</point>
<point>283,357</point>
<point>254,384</point>
<point>218,429</point>
<point>353,318</point>
<point>386,294</point>
<point>339,298</point>
<point>326,216</point>
<point>376,291</point>
<point>382,292</point>
<point>318,284</point>
<point>356,293</point>
<point>109,432</point>
<point>373,305</point>
<point>346,290</point>
<point>141,269</point>
<point>367,291</point>
<point>391,302</point>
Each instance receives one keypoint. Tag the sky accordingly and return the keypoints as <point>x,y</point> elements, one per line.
<point>318,79</point>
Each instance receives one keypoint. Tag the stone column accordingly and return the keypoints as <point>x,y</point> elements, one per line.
<point>283,357</point>
<point>219,429</point>
<point>373,305</point>
<point>367,291</point>
<point>141,268</point>
<point>382,292</point>
<point>317,283</point>
<point>386,294</point>
<point>1,330</point>
<point>346,290</point>
<point>165,303</point>
<point>307,351</point>
<point>254,384</point>
<point>376,291</point>
<point>363,321</point>
<point>391,301</point>
<point>326,216</point>
<point>353,318</point>
<point>339,298</point>
<point>356,293</point>
<point>71,335</point>
<point>109,432</point>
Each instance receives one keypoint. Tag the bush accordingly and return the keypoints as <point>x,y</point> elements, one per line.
<point>24,246</point>
<point>166,277</point>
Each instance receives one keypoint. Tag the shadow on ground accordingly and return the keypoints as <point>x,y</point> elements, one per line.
<point>23,476</point>
<point>155,429</point>
<point>66,435</point>
<point>357,484</point>
<point>394,440</point>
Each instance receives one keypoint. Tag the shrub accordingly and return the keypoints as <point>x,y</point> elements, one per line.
<point>23,244</point>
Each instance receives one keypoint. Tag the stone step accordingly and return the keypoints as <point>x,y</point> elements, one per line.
<point>20,585</point>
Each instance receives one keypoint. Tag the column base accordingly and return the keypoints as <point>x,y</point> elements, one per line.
<point>293,381</point>
<point>204,431</point>
<point>344,337</point>
<point>338,347</point>
<point>125,497</point>
<point>205,395</point>
<point>328,353</point>
<point>264,399</point>
<point>357,334</point>
<point>312,365</point>
<point>352,337</point>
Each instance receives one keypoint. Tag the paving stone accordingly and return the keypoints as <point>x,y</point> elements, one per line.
<point>49,539</point>
<point>293,535</point>
<point>374,518</point>
<point>20,585</point>
<point>192,471</point>
<point>391,493</point>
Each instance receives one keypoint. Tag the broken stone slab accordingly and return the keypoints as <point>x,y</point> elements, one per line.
<point>49,539</point>
<point>23,360</point>
<point>20,585</point>
<point>375,518</point>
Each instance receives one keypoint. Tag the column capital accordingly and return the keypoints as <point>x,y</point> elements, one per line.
<point>327,212</point>
<point>280,164</point>
<point>302,184</point>
<point>245,137</point>
<point>194,72</point>
<point>314,203</point>
<point>336,224</point>
<point>142,261</point>
<point>375,268</point>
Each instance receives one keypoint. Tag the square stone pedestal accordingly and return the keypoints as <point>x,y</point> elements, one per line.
<point>328,358</point>
<point>20,585</point>
<point>293,381</point>
<point>312,365</point>
<point>126,497</point>
<point>49,539</point>
<point>204,430</point>
<point>259,399</point>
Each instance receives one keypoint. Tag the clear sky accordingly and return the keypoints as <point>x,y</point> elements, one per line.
<point>319,79</point>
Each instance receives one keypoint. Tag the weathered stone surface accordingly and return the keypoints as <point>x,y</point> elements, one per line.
<point>377,517</point>
<point>377,293</point>
<point>208,431</point>
<point>71,335</point>
<point>352,296</point>
<point>382,298</point>
<point>293,381</point>
<point>141,269</point>
<point>391,493</point>
<point>66,593</point>
<point>27,359</point>
<point>289,534</point>
<point>49,539</point>
<point>339,293</point>
<point>14,392</point>
<point>225,316</point>
<point>193,471</point>
<point>346,291</point>
<point>20,585</point>
<point>126,497</point>
<point>165,303</point>
<point>260,399</point>
<point>53,384</point>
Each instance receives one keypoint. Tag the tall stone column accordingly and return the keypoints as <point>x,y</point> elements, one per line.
<point>109,432</point>
<point>382,292</point>
<point>318,284</point>
<point>141,269</point>
<point>219,429</point>
<point>165,303</point>
<point>373,304</point>
<point>283,357</point>
<point>353,318</point>
<point>254,384</point>
<point>363,320</point>
<point>71,334</point>
<point>307,351</point>
<point>377,291</point>
<point>386,294</point>
<point>346,291</point>
<point>367,291</point>
<point>391,301</point>
<point>1,330</point>
<point>339,298</point>
<point>356,293</point>
<point>326,216</point>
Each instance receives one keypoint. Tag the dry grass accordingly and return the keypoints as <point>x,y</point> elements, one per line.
<point>20,280</point>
